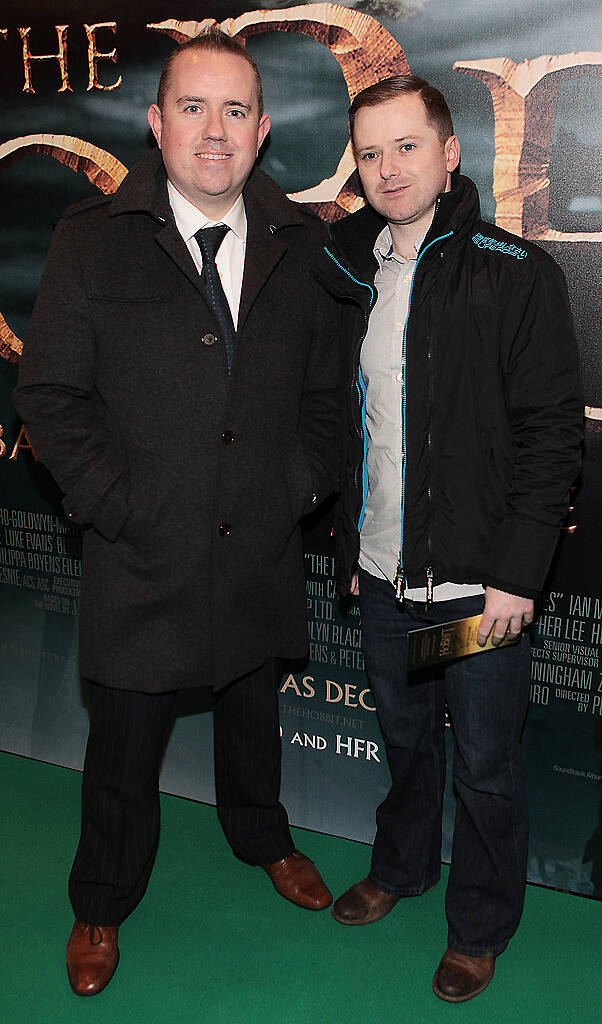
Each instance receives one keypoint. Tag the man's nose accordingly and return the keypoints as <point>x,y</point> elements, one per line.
<point>388,167</point>
<point>214,127</point>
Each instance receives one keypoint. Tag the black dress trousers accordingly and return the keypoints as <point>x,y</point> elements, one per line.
<point>120,789</point>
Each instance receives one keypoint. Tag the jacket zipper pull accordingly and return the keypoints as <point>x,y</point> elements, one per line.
<point>400,582</point>
<point>429,585</point>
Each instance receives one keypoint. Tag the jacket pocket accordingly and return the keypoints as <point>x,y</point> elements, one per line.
<point>497,477</point>
<point>146,481</point>
<point>299,482</point>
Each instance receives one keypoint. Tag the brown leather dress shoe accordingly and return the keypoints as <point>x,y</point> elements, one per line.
<point>298,880</point>
<point>92,957</point>
<point>363,903</point>
<point>460,977</point>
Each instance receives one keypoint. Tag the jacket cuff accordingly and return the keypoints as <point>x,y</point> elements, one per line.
<point>108,513</point>
<point>520,556</point>
<point>511,588</point>
<point>304,497</point>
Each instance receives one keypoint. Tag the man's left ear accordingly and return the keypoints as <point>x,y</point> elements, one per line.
<point>264,127</point>
<point>452,153</point>
<point>154,119</point>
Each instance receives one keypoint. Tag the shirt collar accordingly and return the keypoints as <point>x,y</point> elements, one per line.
<point>383,247</point>
<point>189,219</point>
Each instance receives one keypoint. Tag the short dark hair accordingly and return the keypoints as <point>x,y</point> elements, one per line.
<point>435,105</point>
<point>214,40</point>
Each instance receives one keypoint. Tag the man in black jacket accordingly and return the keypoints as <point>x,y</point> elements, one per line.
<point>180,381</point>
<point>462,439</point>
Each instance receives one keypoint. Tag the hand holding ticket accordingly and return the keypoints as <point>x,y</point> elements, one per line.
<point>449,640</point>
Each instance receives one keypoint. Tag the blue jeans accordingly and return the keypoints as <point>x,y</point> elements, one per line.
<point>486,697</point>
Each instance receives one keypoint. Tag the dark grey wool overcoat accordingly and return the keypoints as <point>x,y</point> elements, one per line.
<point>190,484</point>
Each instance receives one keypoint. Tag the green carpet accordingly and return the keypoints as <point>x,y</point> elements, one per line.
<point>213,942</point>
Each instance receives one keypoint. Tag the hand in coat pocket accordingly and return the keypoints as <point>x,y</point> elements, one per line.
<point>140,528</point>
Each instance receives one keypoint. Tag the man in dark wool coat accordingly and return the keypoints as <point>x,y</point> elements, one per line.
<point>180,381</point>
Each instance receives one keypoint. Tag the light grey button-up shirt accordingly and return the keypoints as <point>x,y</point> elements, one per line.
<point>382,365</point>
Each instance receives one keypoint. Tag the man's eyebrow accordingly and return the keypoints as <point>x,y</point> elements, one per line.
<point>202,99</point>
<point>403,138</point>
<point>237,103</point>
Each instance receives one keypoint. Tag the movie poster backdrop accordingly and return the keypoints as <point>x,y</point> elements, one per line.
<point>523,85</point>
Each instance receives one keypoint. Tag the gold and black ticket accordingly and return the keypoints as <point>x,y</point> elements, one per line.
<point>447,641</point>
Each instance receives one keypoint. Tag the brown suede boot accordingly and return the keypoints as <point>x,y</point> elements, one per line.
<point>460,977</point>
<point>363,903</point>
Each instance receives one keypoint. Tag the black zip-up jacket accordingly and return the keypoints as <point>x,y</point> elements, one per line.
<point>493,405</point>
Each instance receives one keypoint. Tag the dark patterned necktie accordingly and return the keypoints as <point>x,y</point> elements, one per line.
<point>209,240</point>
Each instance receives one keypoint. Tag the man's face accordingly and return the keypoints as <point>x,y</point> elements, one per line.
<point>402,164</point>
<point>209,131</point>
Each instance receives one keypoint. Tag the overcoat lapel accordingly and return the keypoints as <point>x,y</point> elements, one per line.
<point>172,243</point>
<point>147,193</point>
<point>264,250</point>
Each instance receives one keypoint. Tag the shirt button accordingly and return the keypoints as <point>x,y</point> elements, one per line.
<point>399,327</point>
<point>209,339</point>
<point>406,279</point>
<point>224,530</point>
<point>399,378</point>
<point>228,437</point>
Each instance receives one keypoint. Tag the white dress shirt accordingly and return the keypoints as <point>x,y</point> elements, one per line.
<point>230,259</point>
<point>383,370</point>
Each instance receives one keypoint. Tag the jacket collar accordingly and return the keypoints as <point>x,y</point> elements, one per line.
<point>144,190</point>
<point>354,236</point>
<point>353,239</point>
<point>268,213</point>
<point>457,210</point>
<point>268,210</point>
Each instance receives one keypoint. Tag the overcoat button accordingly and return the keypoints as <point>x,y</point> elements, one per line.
<point>209,339</point>
<point>228,437</point>
<point>224,530</point>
